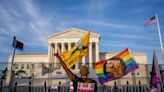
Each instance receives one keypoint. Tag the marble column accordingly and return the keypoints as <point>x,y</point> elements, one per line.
<point>69,46</point>
<point>56,46</point>
<point>83,61</point>
<point>49,57</point>
<point>90,55</point>
<point>97,51</point>
<point>51,53</point>
<point>62,47</point>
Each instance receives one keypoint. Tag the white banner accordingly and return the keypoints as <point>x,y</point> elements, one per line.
<point>85,87</point>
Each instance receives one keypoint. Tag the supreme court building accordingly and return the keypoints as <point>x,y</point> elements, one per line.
<point>47,66</point>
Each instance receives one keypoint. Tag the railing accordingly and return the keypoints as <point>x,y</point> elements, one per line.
<point>23,80</point>
<point>27,88</point>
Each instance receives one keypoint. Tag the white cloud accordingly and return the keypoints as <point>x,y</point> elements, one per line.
<point>98,6</point>
<point>109,24</point>
<point>27,20</point>
<point>132,45</point>
<point>23,19</point>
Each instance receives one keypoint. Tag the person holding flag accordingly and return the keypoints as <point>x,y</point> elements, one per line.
<point>70,58</point>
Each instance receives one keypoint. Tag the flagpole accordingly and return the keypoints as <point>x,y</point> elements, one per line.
<point>161,44</point>
<point>12,73</point>
<point>157,70</point>
<point>160,37</point>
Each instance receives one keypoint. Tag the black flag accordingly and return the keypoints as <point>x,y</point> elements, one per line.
<point>17,44</point>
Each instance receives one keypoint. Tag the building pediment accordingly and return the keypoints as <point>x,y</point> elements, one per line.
<point>72,33</point>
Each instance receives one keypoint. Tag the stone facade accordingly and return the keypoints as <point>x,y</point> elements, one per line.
<point>38,65</point>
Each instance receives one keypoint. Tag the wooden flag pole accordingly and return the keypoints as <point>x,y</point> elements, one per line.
<point>160,37</point>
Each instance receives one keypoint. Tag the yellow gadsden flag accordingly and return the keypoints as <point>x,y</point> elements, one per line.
<point>72,56</point>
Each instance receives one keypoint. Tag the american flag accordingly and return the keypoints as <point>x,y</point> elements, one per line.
<point>151,21</point>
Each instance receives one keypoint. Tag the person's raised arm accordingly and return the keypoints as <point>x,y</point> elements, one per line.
<point>68,71</point>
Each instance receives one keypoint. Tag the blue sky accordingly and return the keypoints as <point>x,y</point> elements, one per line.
<point>119,22</point>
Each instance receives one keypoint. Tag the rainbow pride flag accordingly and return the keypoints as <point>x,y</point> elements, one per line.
<point>115,67</point>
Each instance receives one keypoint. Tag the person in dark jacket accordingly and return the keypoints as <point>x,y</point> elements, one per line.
<point>82,83</point>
